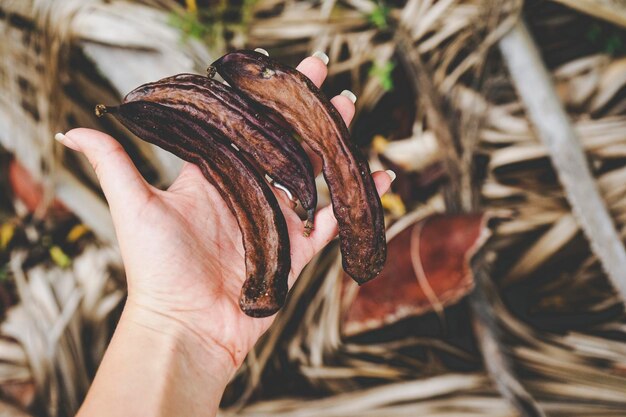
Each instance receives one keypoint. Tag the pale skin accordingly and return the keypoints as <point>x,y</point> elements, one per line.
<point>182,335</point>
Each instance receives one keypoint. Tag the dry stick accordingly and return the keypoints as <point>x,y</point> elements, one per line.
<point>485,321</point>
<point>552,125</point>
<point>488,332</point>
<point>427,93</point>
<point>613,11</point>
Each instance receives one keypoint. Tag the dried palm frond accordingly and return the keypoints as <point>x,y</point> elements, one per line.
<point>60,58</point>
<point>63,57</point>
<point>534,241</point>
<point>611,10</point>
<point>558,324</point>
<point>57,335</point>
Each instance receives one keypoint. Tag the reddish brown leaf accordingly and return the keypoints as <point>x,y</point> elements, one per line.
<point>26,189</point>
<point>20,393</point>
<point>427,269</point>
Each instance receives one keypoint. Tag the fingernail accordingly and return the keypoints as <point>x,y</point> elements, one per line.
<point>60,137</point>
<point>262,51</point>
<point>349,94</point>
<point>391,174</point>
<point>322,56</point>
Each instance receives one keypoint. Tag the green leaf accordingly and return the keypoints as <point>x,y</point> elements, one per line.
<point>4,273</point>
<point>190,24</point>
<point>379,16</point>
<point>594,32</point>
<point>59,257</point>
<point>383,72</point>
<point>614,45</point>
<point>610,40</point>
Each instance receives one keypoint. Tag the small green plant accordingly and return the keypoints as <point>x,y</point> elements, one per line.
<point>379,17</point>
<point>59,257</point>
<point>594,32</point>
<point>190,24</point>
<point>383,73</point>
<point>208,23</point>
<point>614,45</point>
<point>608,38</point>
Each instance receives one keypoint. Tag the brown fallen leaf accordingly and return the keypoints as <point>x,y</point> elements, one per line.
<point>27,190</point>
<point>427,269</point>
<point>19,393</point>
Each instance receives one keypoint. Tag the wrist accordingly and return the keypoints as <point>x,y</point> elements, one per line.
<point>156,366</point>
<point>205,354</point>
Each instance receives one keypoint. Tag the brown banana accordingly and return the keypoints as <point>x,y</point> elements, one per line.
<point>290,94</point>
<point>263,227</point>
<point>262,141</point>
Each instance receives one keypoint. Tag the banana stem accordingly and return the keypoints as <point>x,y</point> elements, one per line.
<point>308,226</point>
<point>101,110</point>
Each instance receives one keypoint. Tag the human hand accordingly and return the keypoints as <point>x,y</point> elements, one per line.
<point>182,247</point>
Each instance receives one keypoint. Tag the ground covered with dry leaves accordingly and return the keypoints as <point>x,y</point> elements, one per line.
<point>493,302</point>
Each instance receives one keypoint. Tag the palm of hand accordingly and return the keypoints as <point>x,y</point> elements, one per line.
<point>182,247</point>
<point>197,267</point>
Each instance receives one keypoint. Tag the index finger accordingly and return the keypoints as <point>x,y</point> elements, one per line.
<point>314,68</point>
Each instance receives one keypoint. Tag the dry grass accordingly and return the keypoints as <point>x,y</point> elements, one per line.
<point>558,322</point>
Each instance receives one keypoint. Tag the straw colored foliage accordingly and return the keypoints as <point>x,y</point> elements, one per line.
<point>552,330</point>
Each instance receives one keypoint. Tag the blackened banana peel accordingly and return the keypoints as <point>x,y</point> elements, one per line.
<point>263,142</point>
<point>199,119</point>
<point>289,93</point>
<point>258,214</point>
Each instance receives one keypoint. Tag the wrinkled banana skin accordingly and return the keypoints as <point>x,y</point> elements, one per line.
<point>356,204</point>
<point>250,199</point>
<point>263,142</point>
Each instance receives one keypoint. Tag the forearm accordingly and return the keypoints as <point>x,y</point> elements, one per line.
<point>156,367</point>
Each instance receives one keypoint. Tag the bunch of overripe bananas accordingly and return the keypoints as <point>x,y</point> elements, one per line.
<point>199,119</point>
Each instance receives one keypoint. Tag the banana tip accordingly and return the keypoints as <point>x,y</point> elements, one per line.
<point>100,110</point>
<point>211,71</point>
<point>308,226</point>
<point>259,309</point>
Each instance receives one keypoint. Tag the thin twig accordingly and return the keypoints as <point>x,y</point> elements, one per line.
<point>489,334</point>
<point>421,78</point>
<point>534,85</point>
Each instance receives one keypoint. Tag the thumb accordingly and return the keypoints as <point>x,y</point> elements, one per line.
<point>121,183</point>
